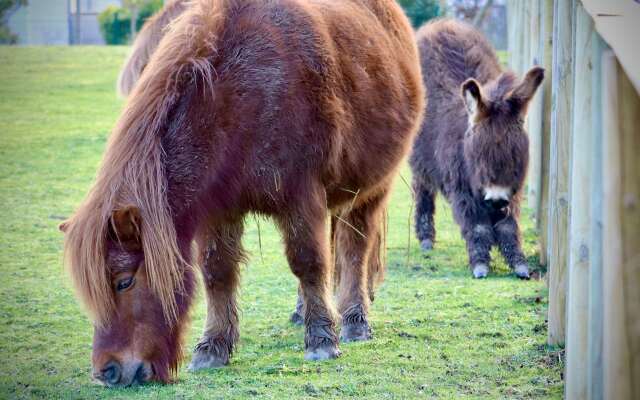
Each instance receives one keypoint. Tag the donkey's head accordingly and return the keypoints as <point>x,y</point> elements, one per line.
<point>496,146</point>
<point>138,325</point>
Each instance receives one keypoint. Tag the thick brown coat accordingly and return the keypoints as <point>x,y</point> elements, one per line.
<point>289,108</point>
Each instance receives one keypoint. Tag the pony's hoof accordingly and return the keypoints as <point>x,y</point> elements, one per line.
<point>480,271</point>
<point>209,354</point>
<point>355,332</point>
<point>296,318</point>
<point>522,271</point>
<point>326,352</point>
<point>205,361</point>
<point>426,245</point>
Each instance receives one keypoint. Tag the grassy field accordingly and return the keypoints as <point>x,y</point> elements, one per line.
<point>438,333</point>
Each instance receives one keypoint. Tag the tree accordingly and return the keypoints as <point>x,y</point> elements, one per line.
<point>134,7</point>
<point>6,37</point>
<point>420,11</point>
<point>472,11</point>
<point>118,26</point>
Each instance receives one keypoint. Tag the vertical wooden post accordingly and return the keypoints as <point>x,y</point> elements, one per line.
<point>594,358</point>
<point>560,158</point>
<point>520,50</point>
<point>621,233</point>
<point>512,23</point>
<point>580,217</point>
<point>546,31</point>
<point>534,116</point>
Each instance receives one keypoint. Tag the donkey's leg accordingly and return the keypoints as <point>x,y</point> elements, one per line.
<point>308,254</point>
<point>508,236</point>
<point>356,235</point>
<point>477,231</point>
<point>221,254</point>
<point>425,209</point>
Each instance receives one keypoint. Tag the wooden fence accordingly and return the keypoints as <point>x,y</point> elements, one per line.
<point>584,186</point>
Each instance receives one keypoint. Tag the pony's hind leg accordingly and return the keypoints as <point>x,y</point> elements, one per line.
<point>357,238</point>
<point>508,237</point>
<point>221,254</point>
<point>307,251</point>
<point>425,196</point>
<point>297,316</point>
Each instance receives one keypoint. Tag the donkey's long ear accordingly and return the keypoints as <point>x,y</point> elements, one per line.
<point>473,99</point>
<point>125,226</point>
<point>523,93</point>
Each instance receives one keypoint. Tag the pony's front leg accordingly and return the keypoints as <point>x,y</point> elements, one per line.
<point>307,251</point>
<point>221,254</point>
<point>508,236</point>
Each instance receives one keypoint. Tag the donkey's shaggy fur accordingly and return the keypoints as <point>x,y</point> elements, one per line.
<point>472,145</point>
<point>284,107</point>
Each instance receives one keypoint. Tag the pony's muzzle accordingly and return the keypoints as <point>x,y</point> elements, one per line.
<point>131,373</point>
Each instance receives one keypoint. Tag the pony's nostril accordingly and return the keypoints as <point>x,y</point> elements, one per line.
<point>111,373</point>
<point>141,375</point>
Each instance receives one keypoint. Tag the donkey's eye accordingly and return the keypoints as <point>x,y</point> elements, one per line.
<point>124,284</point>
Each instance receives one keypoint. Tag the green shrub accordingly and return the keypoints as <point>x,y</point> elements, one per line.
<point>115,22</point>
<point>114,25</point>
<point>6,36</point>
<point>420,11</point>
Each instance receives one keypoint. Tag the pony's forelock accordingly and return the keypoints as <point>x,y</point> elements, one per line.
<point>132,172</point>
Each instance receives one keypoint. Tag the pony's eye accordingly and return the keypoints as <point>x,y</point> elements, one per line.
<point>124,284</point>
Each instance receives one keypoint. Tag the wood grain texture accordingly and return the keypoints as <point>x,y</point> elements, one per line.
<point>560,158</point>
<point>621,233</point>
<point>580,217</point>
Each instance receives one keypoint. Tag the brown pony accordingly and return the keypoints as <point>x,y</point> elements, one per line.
<point>472,146</point>
<point>288,108</point>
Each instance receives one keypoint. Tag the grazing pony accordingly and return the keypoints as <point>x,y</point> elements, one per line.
<point>472,145</point>
<point>144,45</point>
<point>289,108</point>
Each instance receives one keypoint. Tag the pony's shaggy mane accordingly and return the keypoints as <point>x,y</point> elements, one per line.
<point>132,171</point>
<point>146,43</point>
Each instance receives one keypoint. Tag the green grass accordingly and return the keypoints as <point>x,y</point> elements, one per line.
<point>438,333</point>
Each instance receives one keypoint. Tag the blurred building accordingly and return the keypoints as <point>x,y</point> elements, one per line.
<point>58,22</point>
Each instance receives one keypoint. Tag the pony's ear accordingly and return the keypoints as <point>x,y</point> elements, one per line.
<point>523,93</point>
<point>125,226</point>
<point>63,226</point>
<point>473,99</point>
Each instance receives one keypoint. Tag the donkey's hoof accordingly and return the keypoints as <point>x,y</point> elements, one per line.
<point>480,271</point>
<point>209,353</point>
<point>296,318</point>
<point>355,332</point>
<point>325,352</point>
<point>426,245</point>
<point>522,271</point>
